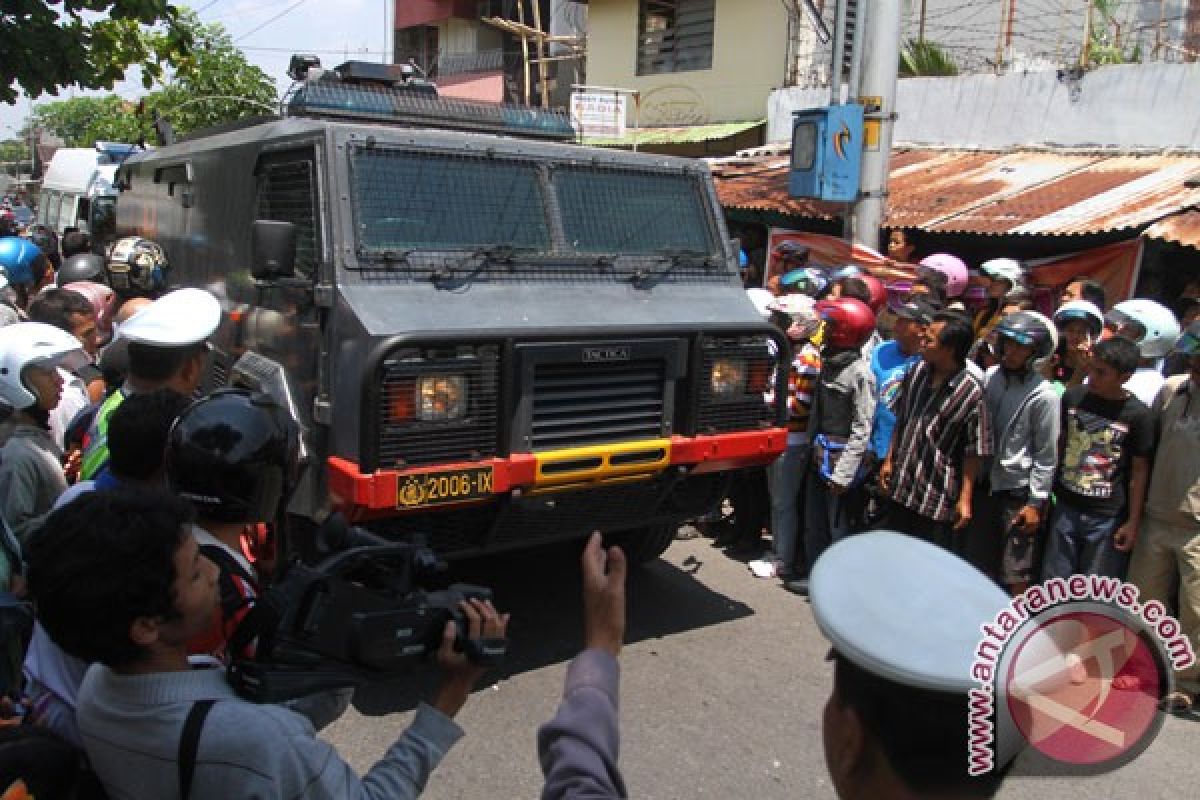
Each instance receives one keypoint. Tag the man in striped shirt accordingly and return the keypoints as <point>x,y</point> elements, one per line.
<point>942,435</point>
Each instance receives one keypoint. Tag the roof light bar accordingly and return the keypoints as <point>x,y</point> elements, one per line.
<point>417,104</point>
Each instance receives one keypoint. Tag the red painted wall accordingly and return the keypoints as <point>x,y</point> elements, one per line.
<point>427,12</point>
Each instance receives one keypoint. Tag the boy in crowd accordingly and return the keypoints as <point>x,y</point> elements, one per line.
<point>839,428</point>
<point>1024,410</point>
<point>232,482</point>
<point>942,435</point>
<point>31,468</point>
<point>119,579</point>
<point>1154,329</point>
<point>785,475</point>
<point>70,311</point>
<point>890,362</point>
<point>1107,441</point>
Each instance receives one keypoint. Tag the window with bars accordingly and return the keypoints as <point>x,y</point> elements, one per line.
<point>286,192</point>
<point>675,35</point>
<point>406,200</point>
<point>619,211</point>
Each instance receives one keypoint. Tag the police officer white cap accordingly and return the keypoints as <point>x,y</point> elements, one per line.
<point>903,610</point>
<point>177,319</point>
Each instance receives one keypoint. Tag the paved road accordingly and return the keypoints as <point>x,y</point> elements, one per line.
<point>724,679</point>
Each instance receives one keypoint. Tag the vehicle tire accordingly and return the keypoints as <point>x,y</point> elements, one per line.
<point>643,545</point>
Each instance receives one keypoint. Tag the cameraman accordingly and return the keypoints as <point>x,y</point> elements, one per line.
<point>118,579</point>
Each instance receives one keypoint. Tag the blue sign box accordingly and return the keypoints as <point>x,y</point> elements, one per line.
<point>827,148</point>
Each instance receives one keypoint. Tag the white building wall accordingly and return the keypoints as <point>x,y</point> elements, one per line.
<point>1153,106</point>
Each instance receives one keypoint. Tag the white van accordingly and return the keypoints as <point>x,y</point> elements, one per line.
<point>77,190</point>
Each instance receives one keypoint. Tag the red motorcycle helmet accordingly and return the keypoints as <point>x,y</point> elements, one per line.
<point>879,292</point>
<point>848,322</point>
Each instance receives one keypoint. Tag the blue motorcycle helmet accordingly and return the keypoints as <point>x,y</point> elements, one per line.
<point>22,261</point>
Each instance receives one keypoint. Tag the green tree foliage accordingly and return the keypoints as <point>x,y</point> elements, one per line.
<point>46,46</point>
<point>923,58</point>
<point>212,84</point>
<point>81,121</point>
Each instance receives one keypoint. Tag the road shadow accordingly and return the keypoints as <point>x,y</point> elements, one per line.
<point>540,588</point>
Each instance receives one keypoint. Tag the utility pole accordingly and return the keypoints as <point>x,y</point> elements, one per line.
<point>874,85</point>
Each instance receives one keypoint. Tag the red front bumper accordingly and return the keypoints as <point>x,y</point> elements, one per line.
<point>377,492</point>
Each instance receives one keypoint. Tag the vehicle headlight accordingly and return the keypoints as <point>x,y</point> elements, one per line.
<point>441,397</point>
<point>728,378</point>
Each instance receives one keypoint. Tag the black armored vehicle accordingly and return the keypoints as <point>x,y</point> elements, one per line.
<point>490,335</point>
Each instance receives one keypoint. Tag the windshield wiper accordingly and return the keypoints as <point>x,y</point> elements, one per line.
<point>643,279</point>
<point>443,277</point>
<point>390,258</point>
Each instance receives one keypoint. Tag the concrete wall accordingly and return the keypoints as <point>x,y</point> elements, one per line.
<point>749,53</point>
<point>1046,31</point>
<point>1154,106</point>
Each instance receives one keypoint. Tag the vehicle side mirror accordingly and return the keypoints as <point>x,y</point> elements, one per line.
<point>273,249</point>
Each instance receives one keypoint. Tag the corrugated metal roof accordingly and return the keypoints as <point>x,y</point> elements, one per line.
<point>1023,192</point>
<point>1180,228</point>
<point>686,134</point>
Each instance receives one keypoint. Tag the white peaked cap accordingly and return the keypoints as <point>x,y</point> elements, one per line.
<point>903,609</point>
<point>177,319</point>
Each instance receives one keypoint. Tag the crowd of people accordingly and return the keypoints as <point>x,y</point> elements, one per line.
<point>1007,444</point>
<point>1032,445</point>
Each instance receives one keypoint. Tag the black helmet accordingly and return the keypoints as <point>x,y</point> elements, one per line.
<point>1030,328</point>
<point>81,267</point>
<point>233,455</point>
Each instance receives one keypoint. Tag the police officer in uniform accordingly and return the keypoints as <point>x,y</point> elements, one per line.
<point>168,349</point>
<point>903,617</point>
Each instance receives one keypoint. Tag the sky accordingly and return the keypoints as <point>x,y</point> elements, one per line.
<point>268,31</point>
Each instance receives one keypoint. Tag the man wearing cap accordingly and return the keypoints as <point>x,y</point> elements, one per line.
<point>168,349</point>
<point>890,362</point>
<point>896,724</point>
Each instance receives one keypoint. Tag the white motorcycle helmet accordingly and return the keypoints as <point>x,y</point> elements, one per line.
<point>1004,269</point>
<point>1158,323</point>
<point>1080,310</point>
<point>26,344</point>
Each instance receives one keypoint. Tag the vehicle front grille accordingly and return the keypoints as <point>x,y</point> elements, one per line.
<point>746,410</point>
<point>407,441</point>
<point>584,404</point>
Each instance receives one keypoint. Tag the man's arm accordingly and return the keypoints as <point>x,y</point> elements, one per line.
<point>578,749</point>
<point>860,429</point>
<point>962,509</point>
<point>1044,426</point>
<point>1125,536</point>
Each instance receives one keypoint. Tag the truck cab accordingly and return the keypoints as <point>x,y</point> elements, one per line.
<point>491,336</point>
<point>77,190</point>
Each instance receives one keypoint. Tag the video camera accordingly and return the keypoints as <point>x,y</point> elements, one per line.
<point>358,615</point>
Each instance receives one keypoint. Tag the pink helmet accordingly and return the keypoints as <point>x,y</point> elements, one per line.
<point>103,300</point>
<point>952,268</point>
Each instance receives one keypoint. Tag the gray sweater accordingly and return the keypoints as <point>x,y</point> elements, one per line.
<point>578,748</point>
<point>31,478</point>
<point>1025,423</point>
<point>131,726</point>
